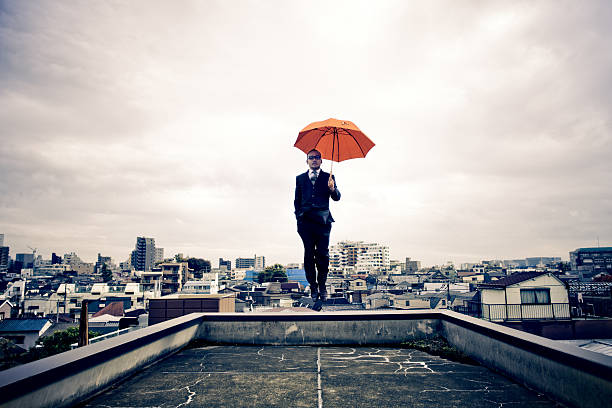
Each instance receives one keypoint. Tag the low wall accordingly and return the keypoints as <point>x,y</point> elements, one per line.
<point>67,378</point>
<point>570,375</point>
<point>338,328</point>
<point>566,330</point>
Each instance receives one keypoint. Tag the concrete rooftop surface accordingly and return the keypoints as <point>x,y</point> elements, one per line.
<point>307,376</point>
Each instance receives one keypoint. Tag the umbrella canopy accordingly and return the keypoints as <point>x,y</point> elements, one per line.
<point>337,140</point>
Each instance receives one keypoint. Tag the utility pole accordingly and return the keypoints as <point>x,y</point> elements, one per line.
<point>84,325</point>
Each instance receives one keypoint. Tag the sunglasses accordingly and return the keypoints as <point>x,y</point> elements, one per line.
<point>314,157</point>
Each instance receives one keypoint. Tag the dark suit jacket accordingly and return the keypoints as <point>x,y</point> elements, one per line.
<point>312,202</point>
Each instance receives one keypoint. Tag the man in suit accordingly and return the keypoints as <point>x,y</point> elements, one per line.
<point>312,192</point>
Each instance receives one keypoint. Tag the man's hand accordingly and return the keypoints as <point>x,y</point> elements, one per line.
<point>331,184</point>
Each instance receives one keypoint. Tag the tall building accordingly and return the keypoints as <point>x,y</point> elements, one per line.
<point>71,258</point>
<point>4,257</point>
<point>159,255</point>
<point>359,257</point>
<point>143,256</point>
<point>591,261</point>
<point>1,240</point>
<point>223,264</point>
<point>102,260</point>
<point>245,263</point>
<point>412,266</point>
<point>260,263</point>
<point>25,260</point>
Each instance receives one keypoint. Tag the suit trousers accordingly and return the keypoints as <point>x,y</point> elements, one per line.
<point>316,252</point>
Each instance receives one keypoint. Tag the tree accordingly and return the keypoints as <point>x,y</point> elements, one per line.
<point>56,343</point>
<point>274,273</point>
<point>107,274</point>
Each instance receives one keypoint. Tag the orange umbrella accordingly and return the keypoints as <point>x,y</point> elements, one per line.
<point>337,140</point>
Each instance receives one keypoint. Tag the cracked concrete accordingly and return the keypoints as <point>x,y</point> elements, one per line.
<point>255,376</point>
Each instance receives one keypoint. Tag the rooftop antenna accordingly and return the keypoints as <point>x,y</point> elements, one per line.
<point>598,241</point>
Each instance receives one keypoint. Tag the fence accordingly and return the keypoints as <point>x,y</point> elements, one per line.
<point>549,311</point>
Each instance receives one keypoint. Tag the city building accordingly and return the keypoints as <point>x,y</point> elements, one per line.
<point>71,258</point>
<point>23,332</point>
<point>542,261</point>
<point>159,255</point>
<point>4,257</point>
<point>1,240</point>
<point>102,260</point>
<point>359,257</point>
<point>208,285</point>
<point>260,263</point>
<point>174,276</point>
<point>55,259</point>
<point>223,264</point>
<point>245,263</point>
<point>591,261</point>
<point>150,282</point>
<point>411,266</point>
<point>525,296</point>
<point>143,256</point>
<point>25,260</point>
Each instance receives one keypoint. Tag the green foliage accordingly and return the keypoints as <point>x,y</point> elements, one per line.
<point>274,273</point>
<point>107,274</point>
<point>199,264</point>
<point>56,343</point>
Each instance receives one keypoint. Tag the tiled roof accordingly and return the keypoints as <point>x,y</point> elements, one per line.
<point>113,309</point>
<point>22,325</point>
<point>511,280</point>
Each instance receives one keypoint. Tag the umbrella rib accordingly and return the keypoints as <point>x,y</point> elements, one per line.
<point>321,137</point>
<point>356,142</point>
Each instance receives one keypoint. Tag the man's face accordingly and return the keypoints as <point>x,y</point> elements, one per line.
<point>314,160</point>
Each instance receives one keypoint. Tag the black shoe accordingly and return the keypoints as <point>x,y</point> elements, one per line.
<point>314,293</point>
<point>323,295</point>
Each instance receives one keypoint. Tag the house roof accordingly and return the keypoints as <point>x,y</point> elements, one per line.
<point>511,280</point>
<point>113,309</point>
<point>290,285</point>
<point>22,325</point>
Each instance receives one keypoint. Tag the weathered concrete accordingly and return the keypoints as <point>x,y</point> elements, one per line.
<point>336,328</point>
<point>255,376</point>
<point>569,374</point>
<point>520,355</point>
<point>66,378</point>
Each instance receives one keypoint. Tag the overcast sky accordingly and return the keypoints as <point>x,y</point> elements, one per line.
<point>176,120</point>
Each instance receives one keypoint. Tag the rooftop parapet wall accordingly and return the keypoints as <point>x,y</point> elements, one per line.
<point>335,328</point>
<point>67,378</point>
<point>571,375</point>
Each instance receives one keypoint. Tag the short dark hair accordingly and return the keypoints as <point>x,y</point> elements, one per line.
<point>313,150</point>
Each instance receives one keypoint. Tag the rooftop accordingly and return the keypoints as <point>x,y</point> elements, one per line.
<point>256,376</point>
<point>314,359</point>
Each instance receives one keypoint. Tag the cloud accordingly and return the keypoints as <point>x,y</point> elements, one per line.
<point>491,122</point>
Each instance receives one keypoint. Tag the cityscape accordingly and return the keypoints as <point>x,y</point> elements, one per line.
<point>362,277</point>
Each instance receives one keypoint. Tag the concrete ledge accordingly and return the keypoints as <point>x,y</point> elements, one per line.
<point>334,328</point>
<point>570,375</point>
<point>69,377</point>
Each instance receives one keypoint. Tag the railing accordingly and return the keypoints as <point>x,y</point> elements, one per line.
<point>549,311</point>
<point>107,335</point>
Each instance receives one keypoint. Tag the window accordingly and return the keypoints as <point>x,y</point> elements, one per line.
<point>535,296</point>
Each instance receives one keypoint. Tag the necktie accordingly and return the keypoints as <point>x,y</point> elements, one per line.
<point>313,177</point>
